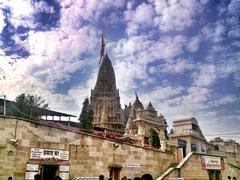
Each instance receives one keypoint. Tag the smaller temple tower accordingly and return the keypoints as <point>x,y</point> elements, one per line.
<point>141,121</point>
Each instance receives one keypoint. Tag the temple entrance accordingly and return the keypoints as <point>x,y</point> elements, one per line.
<point>114,171</point>
<point>48,171</point>
<point>214,175</point>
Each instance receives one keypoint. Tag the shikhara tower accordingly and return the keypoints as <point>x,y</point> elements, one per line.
<point>105,100</point>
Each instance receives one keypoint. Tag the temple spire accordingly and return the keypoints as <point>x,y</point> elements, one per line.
<point>136,95</point>
<point>102,49</point>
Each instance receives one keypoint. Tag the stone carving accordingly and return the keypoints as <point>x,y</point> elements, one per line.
<point>105,100</point>
<point>141,120</point>
<point>107,112</point>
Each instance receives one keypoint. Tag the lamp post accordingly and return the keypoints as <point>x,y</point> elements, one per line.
<point>4,105</point>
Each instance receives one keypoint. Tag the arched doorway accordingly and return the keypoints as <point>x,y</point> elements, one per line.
<point>114,171</point>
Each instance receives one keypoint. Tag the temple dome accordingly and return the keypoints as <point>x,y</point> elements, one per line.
<point>137,104</point>
<point>150,107</point>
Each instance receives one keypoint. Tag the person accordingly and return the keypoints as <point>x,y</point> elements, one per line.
<point>57,178</point>
<point>37,177</point>
<point>101,177</point>
<point>124,178</point>
<point>229,177</point>
<point>234,178</point>
<point>146,177</point>
<point>10,178</point>
<point>137,178</point>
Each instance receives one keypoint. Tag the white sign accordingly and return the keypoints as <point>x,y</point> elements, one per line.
<point>86,178</point>
<point>133,165</point>
<point>32,167</point>
<point>30,175</point>
<point>64,168</point>
<point>64,175</point>
<point>38,154</point>
<point>210,162</point>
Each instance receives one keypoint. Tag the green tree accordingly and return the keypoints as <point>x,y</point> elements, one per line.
<point>154,139</point>
<point>86,116</point>
<point>27,106</point>
<point>165,130</point>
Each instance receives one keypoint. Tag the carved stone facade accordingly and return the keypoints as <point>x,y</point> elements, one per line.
<point>141,121</point>
<point>105,100</point>
<point>134,120</point>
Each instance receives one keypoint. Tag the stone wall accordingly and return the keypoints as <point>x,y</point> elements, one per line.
<point>192,170</point>
<point>193,165</point>
<point>232,165</point>
<point>89,155</point>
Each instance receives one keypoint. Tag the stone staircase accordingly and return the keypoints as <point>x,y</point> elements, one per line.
<point>175,168</point>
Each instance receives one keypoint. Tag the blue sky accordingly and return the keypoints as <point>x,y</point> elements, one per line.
<point>183,56</point>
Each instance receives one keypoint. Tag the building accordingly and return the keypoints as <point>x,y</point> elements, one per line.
<point>49,148</point>
<point>30,147</point>
<point>188,136</point>
<point>105,100</point>
<point>45,114</point>
<point>141,121</point>
<point>195,160</point>
<point>135,121</point>
<point>231,150</point>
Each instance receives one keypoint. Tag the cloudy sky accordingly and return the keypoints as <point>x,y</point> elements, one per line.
<point>182,55</point>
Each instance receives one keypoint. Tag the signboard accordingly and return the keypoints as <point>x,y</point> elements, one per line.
<point>133,165</point>
<point>211,162</point>
<point>64,175</point>
<point>44,154</point>
<point>64,168</point>
<point>31,171</point>
<point>32,167</point>
<point>30,175</point>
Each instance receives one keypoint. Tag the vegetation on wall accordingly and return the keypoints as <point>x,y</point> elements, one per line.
<point>154,139</point>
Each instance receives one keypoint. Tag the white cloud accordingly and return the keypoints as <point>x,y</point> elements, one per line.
<point>131,46</point>
<point>193,45</point>
<point>146,50</point>
<point>140,17</point>
<point>236,79</point>
<point>166,15</point>
<point>176,15</point>
<point>54,56</point>
<point>172,66</point>
<point>222,100</point>
<point>153,37</point>
<point>21,12</point>
<point>205,76</point>
<point>127,73</point>
<point>168,47</point>
<point>43,6</point>
<point>160,93</point>
<point>61,43</point>
<point>73,11</point>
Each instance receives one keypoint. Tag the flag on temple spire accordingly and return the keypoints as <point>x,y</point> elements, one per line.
<point>102,49</point>
<point>136,95</point>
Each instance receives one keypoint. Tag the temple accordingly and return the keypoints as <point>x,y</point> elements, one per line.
<point>141,121</point>
<point>105,100</point>
<point>134,121</point>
